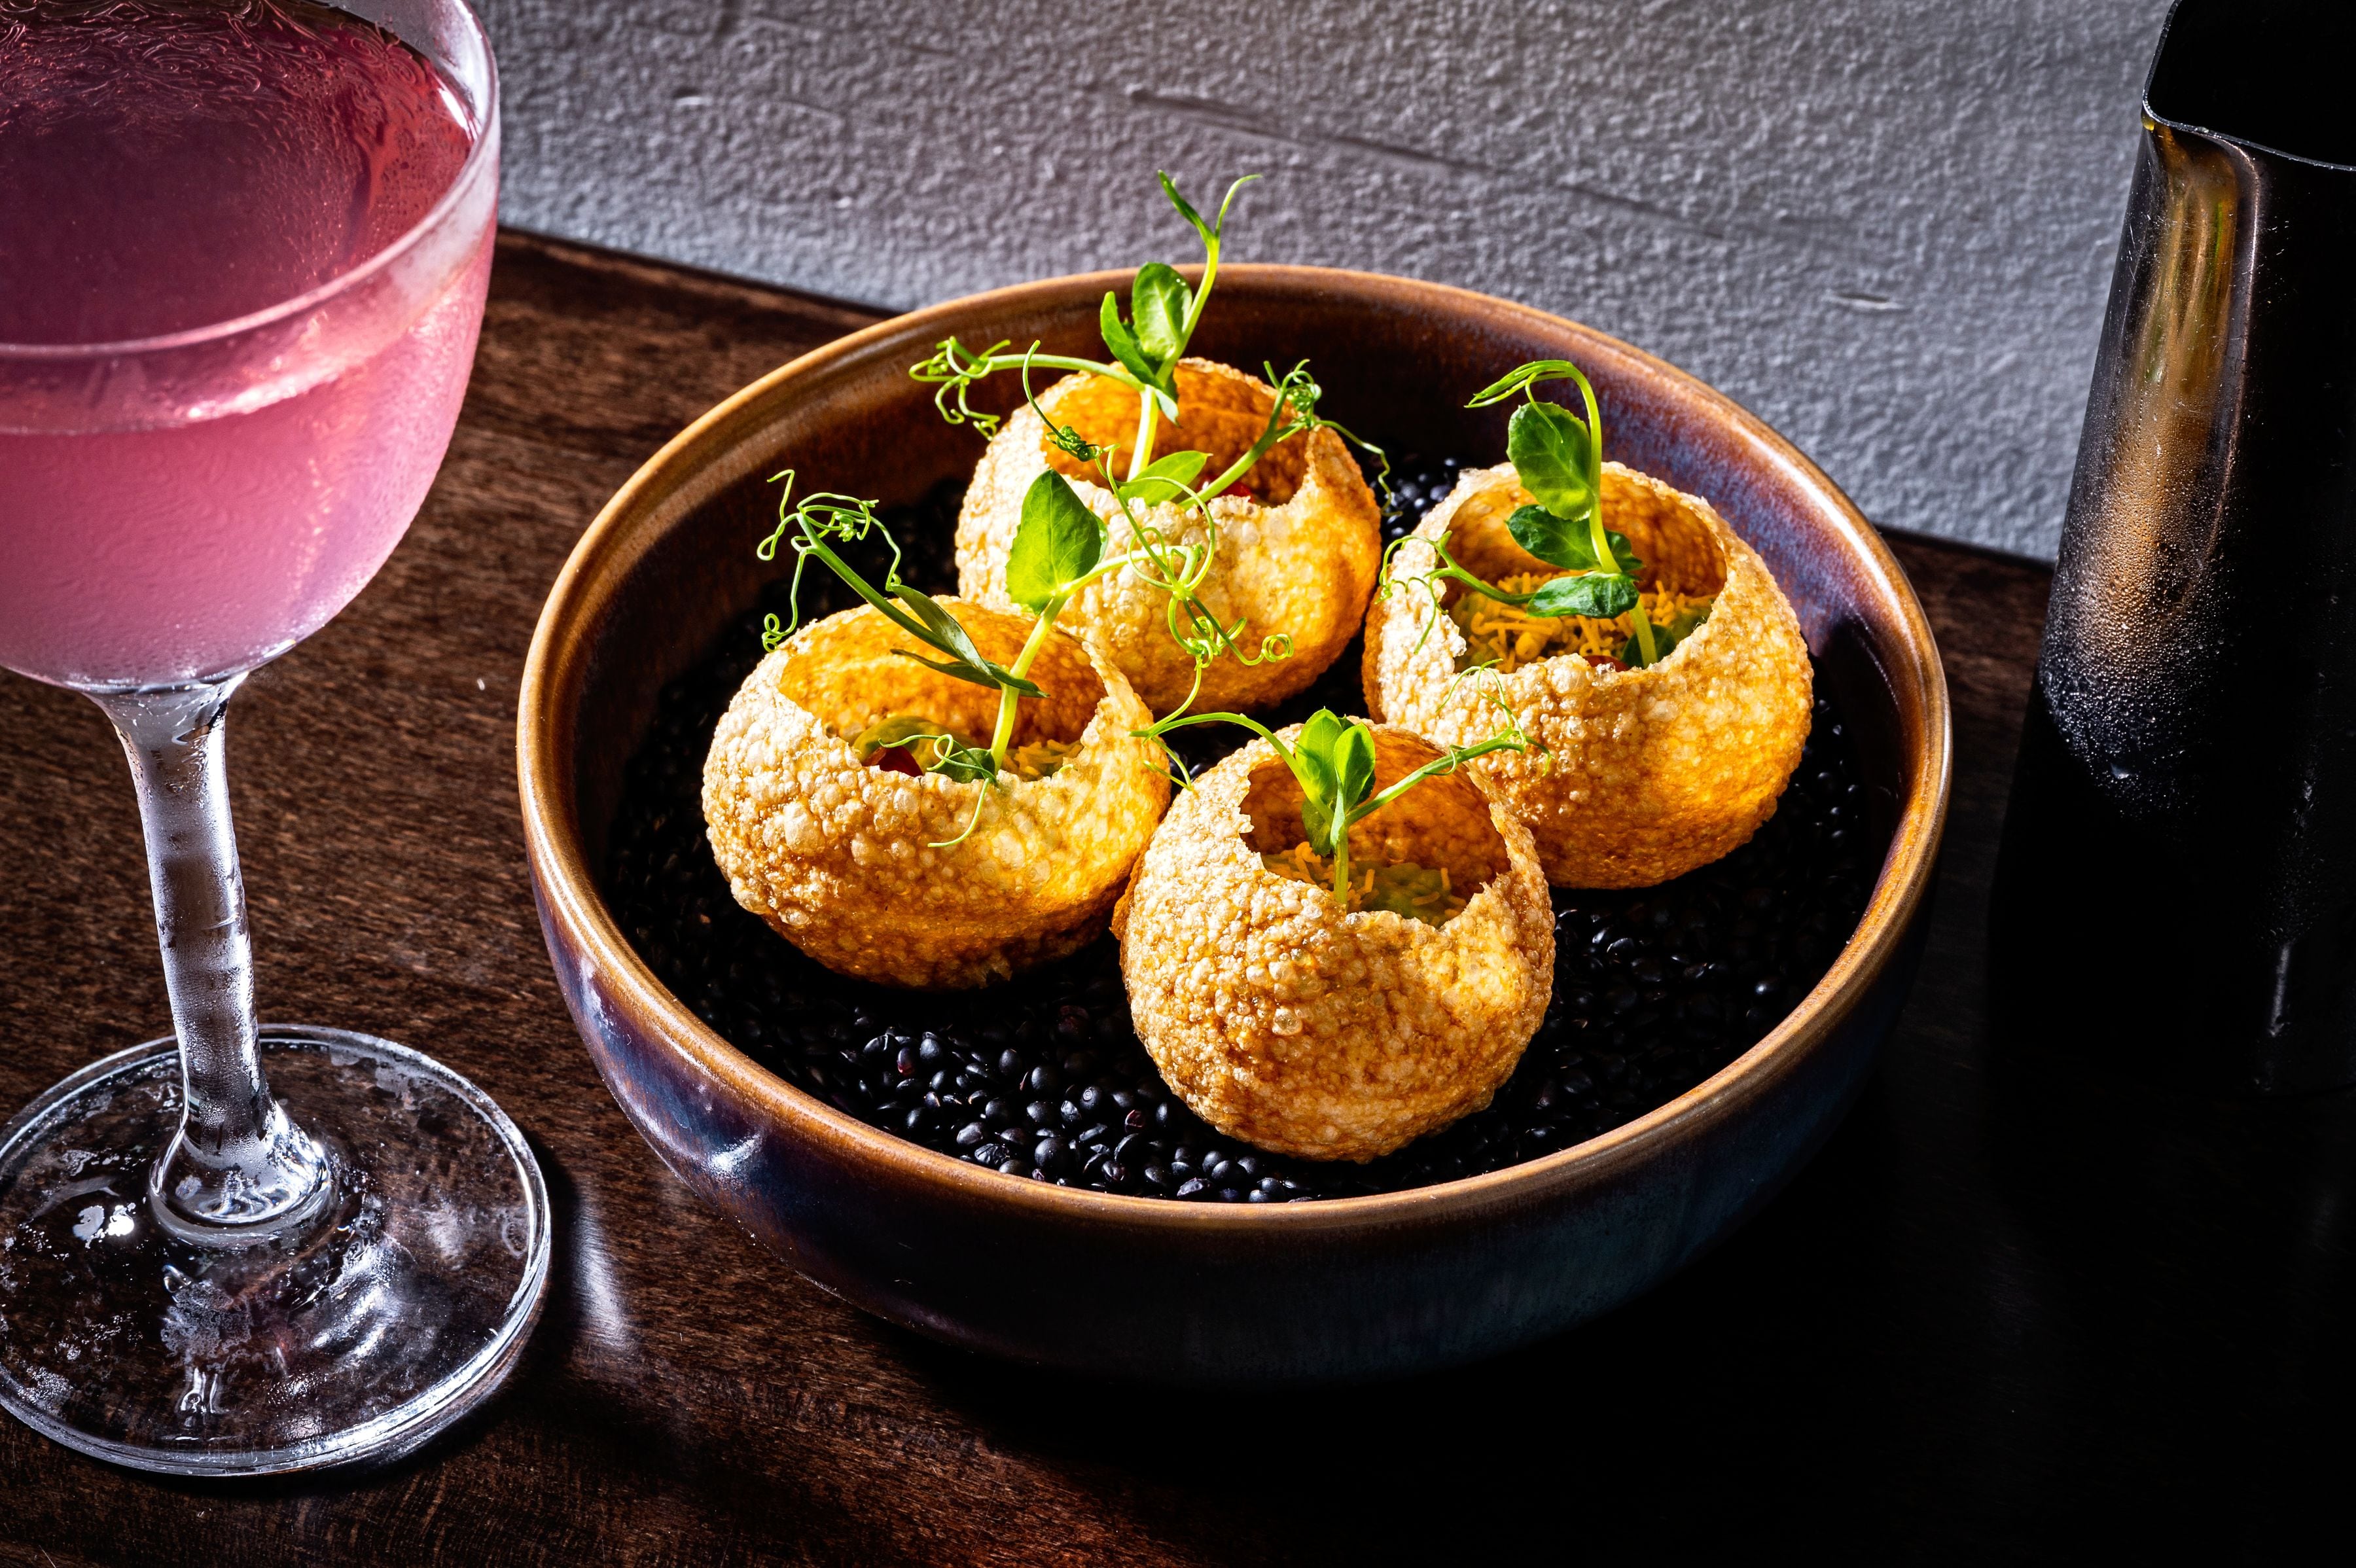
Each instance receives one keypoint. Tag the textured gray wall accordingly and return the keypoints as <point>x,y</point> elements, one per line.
<point>1886,225</point>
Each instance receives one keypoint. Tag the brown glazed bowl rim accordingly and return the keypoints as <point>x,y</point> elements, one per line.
<point>553,673</point>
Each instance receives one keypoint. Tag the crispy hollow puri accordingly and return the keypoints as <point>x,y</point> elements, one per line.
<point>1289,1023</point>
<point>841,860</point>
<point>1647,773</point>
<point>1296,556</point>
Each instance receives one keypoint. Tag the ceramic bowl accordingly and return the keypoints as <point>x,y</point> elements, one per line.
<point>1149,1288</point>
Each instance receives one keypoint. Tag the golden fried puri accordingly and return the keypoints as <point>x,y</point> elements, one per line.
<point>1645,773</point>
<point>1289,1023</point>
<point>1297,554</point>
<point>855,864</point>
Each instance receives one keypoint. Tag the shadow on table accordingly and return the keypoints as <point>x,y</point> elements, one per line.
<point>2017,1304</point>
<point>1619,1431</point>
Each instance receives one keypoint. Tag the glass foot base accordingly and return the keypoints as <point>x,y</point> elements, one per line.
<point>398,1307</point>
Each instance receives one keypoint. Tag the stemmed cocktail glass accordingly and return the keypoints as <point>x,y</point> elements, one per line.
<point>244,248</point>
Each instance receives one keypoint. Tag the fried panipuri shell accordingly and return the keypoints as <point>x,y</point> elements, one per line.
<point>1296,556</point>
<point>873,873</point>
<point>1291,1024</point>
<point>1646,773</point>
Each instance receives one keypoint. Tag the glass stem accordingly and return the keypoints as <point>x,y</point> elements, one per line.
<point>239,1168</point>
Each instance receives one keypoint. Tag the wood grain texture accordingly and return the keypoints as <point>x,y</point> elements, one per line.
<point>1851,1365</point>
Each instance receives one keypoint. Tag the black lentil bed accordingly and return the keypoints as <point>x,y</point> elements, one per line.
<point>1417,485</point>
<point>1655,990</point>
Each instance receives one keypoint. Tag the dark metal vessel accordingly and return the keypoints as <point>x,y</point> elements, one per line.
<point>2177,884</point>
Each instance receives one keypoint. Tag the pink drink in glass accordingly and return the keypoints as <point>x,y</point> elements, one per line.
<point>212,432</point>
<point>243,246</point>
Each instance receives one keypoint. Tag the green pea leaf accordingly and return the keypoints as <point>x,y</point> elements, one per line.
<point>1523,377</point>
<point>1165,478</point>
<point>1353,767</point>
<point>966,764</point>
<point>1319,736</point>
<point>1603,593</point>
<point>1556,541</point>
<point>1314,766</point>
<point>1158,302</point>
<point>965,661</point>
<point>1122,344</point>
<point>948,633</point>
<point>1058,542</point>
<point>1315,773</point>
<point>1186,209</point>
<point>989,675</point>
<point>1559,541</point>
<point>1208,232</point>
<point>1548,446</point>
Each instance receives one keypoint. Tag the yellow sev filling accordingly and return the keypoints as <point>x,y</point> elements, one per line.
<point>1408,890</point>
<point>1508,637</point>
<point>1041,757</point>
<point>916,734</point>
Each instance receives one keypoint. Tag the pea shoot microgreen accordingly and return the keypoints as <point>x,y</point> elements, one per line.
<point>824,516</point>
<point>1333,761</point>
<point>1050,558</point>
<point>1558,457</point>
<point>1145,347</point>
<point>1057,551</point>
<point>930,748</point>
<point>1060,544</point>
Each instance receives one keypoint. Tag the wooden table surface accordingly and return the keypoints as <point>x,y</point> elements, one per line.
<point>1958,1332</point>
